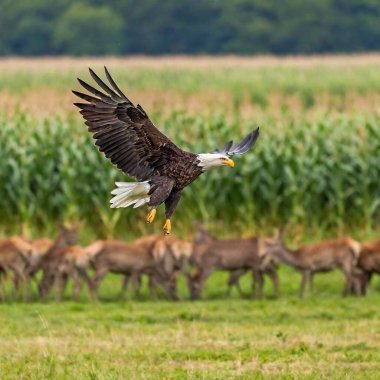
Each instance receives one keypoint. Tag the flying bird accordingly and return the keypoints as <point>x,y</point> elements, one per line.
<point>129,139</point>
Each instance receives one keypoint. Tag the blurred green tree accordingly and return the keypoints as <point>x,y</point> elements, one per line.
<point>89,30</point>
<point>95,27</point>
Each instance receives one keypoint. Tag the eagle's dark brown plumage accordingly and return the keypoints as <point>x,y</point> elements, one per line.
<point>126,135</point>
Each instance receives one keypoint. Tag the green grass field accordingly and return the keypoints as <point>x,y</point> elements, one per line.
<point>315,170</point>
<point>320,337</point>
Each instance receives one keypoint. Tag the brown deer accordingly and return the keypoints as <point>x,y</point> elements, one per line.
<point>129,259</point>
<point>202,235</point>
<point>14,255</point>
<point>146,243</point>
<point>160,258</point>
<point>341,253</point>
<point>73,263</point>
<point>67,237</point>
<point>367,265</point>
<point>268,267</point>
<point>235,256</point>
<point>40,248</point>
<point>172,257</point>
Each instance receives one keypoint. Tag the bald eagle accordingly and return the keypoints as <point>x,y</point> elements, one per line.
<point>126,135</point>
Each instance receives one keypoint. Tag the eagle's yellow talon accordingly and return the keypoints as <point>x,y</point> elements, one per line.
<point>167,227</point>
<point>151,215</point>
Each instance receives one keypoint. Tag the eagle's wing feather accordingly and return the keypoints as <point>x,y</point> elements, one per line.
<point>123,132</point>
<point>242,147</point>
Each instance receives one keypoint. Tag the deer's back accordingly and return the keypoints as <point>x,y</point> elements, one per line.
<point>328,254</point>
<point>234,253</point>
<point>120,257</point>
<point>11,252</point>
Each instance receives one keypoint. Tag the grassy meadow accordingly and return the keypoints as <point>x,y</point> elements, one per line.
<point>322,336</point>
<point>315,170</point>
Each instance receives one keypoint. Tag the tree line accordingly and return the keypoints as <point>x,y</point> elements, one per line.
<point>97,27</point>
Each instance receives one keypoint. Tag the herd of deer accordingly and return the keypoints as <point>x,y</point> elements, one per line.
<point>164,258</point>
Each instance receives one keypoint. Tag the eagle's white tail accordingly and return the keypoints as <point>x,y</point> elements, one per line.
<point>129,193</point>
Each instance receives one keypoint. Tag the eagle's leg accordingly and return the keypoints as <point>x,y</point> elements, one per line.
<point>170,205</point>
<point>151,215</point>
<point>160,189</point>
<point>167,227</point>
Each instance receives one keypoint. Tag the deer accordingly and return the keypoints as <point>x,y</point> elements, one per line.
<point>202,236</point>
<point>14,255</point>
<point>367,265</point>
<point>172,257</point>
<point>146,243</point>
<point>158,257</point>
<point>40,248</point>
<point>66,237</point>
<point>129,259</point>
<point>341,253</point>
<point>233,255</point>
<point>73,262</point>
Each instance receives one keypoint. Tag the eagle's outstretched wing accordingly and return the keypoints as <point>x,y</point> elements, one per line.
<point>242,147</point>
<point>123,132</point>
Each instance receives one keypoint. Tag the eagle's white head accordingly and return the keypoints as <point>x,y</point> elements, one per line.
<point>208,161</point>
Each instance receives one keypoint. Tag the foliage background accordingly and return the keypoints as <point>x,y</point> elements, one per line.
<point>315,168</point>
<point>96,27</point>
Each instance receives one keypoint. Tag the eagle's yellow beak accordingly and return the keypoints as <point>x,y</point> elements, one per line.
<point>229,162</point>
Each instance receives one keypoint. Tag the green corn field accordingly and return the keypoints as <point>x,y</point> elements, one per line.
<point>316,165</point>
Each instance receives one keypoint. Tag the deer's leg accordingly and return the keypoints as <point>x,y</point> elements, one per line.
<point>152,284</point>
<point>355,285</point>
<point>311,282</point>
<point>124,285</point>
<point>205,275</point>
<point>305,277</point>
<point>20,282</point>
<point>28,284</point>
<point>95,283</point>
<point>198,284</point>
<point>83,273</point>
<point>258,283</point>
<point>136,279</point>
<point>45,283</point>
<point>364,283</point>
<point>234,280</point>
<point>171,287</point>
<point>57,286</point>
<point>77,284</point>
<point>60,281</point>
<point>239,289</point>
<point>230,283</point>
<point>16,285</point>
<point>347,272</point>
<point>3,292</point>
<point>274,278</point>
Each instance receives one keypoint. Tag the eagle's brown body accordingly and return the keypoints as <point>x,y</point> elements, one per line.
<point>126,135</point>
